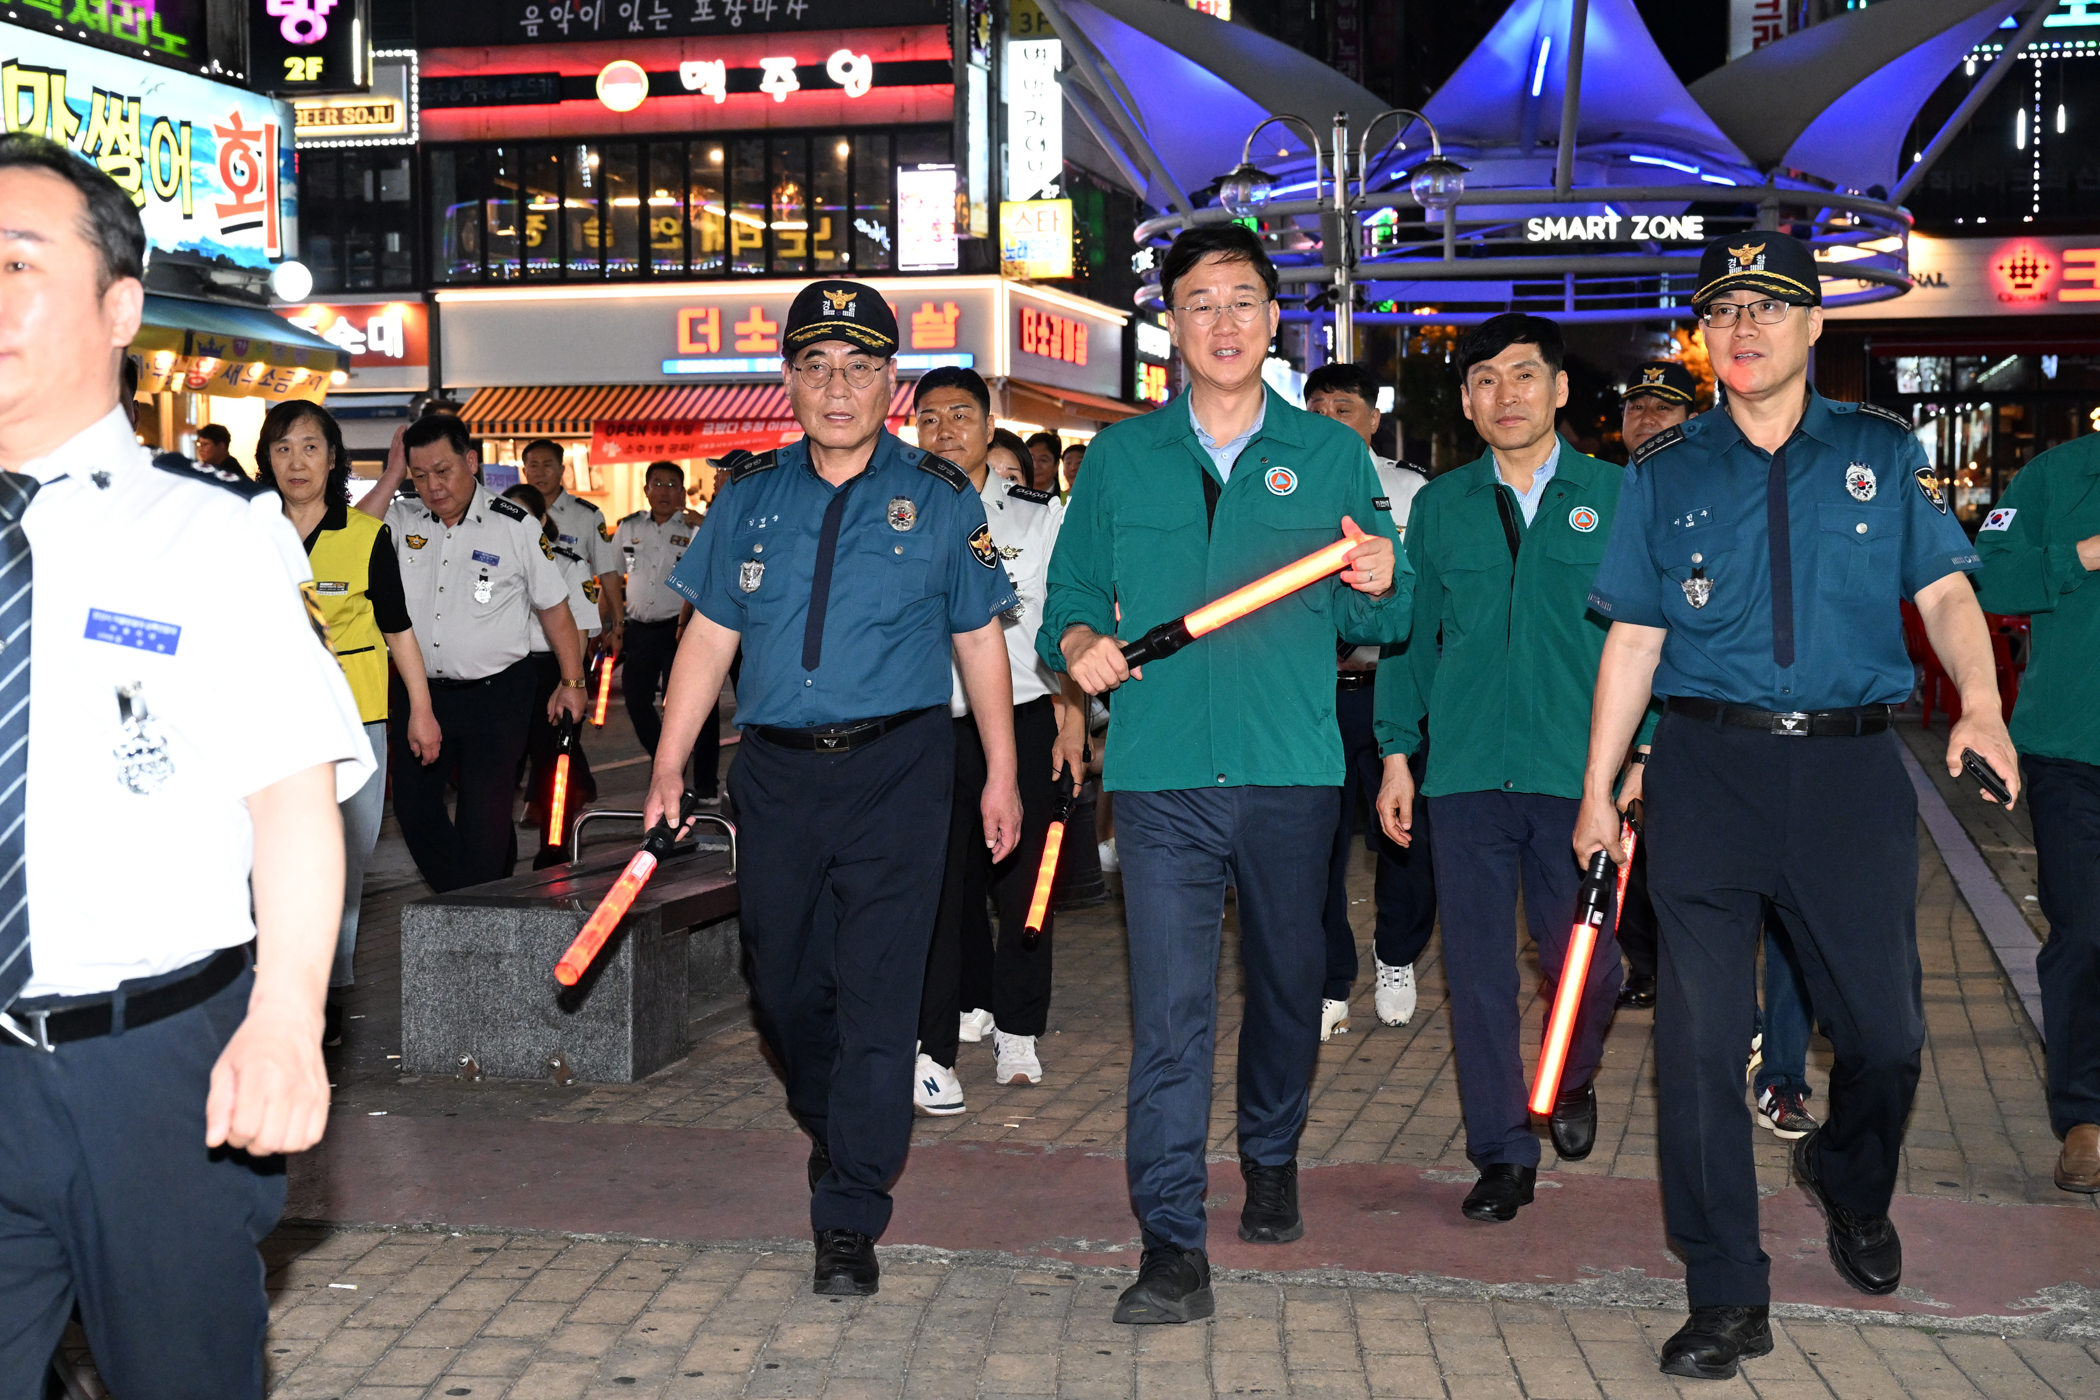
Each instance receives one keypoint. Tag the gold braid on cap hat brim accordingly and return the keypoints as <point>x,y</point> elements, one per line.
<point>1661,391</point>
<point>1774,282</point>
<point>840,330</point>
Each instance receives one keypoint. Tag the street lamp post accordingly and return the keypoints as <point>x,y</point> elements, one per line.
<point>1436,186</point>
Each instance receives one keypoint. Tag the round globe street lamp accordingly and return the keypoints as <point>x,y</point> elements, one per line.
<point>1245,192</point>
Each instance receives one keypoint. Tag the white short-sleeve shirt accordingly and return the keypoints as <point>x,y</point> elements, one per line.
<point>652,551</point>
<point>582,530</point>
<point>1024,525</point>
<point>583,598</point>
<point>183,586</point>
<point>472,587</point>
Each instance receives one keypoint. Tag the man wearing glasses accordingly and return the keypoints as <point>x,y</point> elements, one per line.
<point>1225,758</point>
<point>1752,576</point>
<point>849,566</point>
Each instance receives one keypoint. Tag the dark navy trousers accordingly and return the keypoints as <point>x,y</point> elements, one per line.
<point>1179,852</point>
<point>1486,844</point>
<point>2066,805</point>
<point>1823,830</point>
<point>110,1200</point>
<point>1403,886</point>
<point>839,868</point>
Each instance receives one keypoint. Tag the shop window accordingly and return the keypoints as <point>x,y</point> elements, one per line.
<point>828,247</point>
<point>357,219</point>
<point>502,213</point>
<point>621,220</point>
<point>666,198</point>
<point>707,216</point>
<point>872,188</point>
<point>788,204</point>
<point>581,227</point>
<point>747,212</point>
<point>541,182</point>
<point>455,218</point>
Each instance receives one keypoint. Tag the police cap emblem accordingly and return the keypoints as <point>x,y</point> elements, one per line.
<point>1859,480</point>
<point>902,513</point>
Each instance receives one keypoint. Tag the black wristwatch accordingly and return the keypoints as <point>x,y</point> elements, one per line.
<point>1638,757</point>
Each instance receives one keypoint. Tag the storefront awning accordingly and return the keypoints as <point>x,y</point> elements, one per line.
<point>205,347</point>
<point>645,423</point>
<point>1078,405</point>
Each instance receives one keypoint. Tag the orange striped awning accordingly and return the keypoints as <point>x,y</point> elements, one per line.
<point>573,410</point>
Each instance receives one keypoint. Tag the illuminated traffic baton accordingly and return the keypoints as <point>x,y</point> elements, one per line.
<point>604,692</point>
<point>557,808</point>
<point>1046,873</point>
<point>1590,909</point>
<point>1629,837</point>
<point>620,898</point>
<point>1170,637</point>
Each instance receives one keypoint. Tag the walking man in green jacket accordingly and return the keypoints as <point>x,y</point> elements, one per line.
<point>2040,549</point>
<point>1225,757</point>
<point>1503,551</point>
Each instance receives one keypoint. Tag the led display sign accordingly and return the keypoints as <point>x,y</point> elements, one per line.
<point>1613,227</point>
<point>926,218</point>
<point>308,46</point>
<point>2030,275</point>
<point>1052,336</point>
<point>1035,238</point>
<point>172,29</point>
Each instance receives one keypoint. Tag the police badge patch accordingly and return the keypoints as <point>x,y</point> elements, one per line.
<point>1698,589</point>
<point>1859,480</point>
<point>902,513</point>
<point>981,545</point>
<point>749,573</point>
<point>416,541</point>
<point>1929,488</point>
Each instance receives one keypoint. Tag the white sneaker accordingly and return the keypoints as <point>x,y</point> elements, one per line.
<point>936,1092</point>
<point>1017,1061</point>
<point>1395,998</point>
<point>1108,855</point>
<point>975,1025</point>
<point>1757,1058</point>
<point>1334,1016</point>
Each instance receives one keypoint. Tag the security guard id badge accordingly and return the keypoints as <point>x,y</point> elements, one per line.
<point>142,757</point>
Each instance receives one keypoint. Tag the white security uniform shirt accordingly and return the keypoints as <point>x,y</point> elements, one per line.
<point>583,532</point>
<point>472,588</point>
<point>1024,527</point>
<point>651,551</point>
<point>1399,485</point>
<point>583,598</point>
<point>187,587</point>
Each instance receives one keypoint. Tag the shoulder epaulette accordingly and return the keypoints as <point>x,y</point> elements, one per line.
<point>944,469</point>
<point>567,553</point>
<point>1880,412</point>
<point>179,465</point>
<point>631,515</point>
<point>750,463</point>
<point>1018,492</point>
<point>1408,466</point>
<point>504,505</point>
<point>590,506</point>
<point>1668,437</point>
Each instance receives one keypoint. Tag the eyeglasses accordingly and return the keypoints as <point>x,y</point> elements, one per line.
<point>1242,311</point>
<point>1723,314</point>
<point>859,373</point>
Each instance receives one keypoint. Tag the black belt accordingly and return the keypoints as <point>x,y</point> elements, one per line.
<point>1794,724</point>
<point>1354,680</point>
<point>660,622</point>
<point>837,738</point>
<point>84,1018</point>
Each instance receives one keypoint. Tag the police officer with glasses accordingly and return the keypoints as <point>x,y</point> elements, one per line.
<point>1753,577</point>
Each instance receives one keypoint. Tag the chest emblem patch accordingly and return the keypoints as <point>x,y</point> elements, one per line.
<point>902,513</point>
<point>749,574</point>
<point>1698,589</point>
<point>1929,488</point>
<point>417,541</point>
<point>1281,481</point>
<point>981,545</point>
<point>141,751</point>
<point>1583,519</point>
<point>1859,480</point>
<point>1999,519</point>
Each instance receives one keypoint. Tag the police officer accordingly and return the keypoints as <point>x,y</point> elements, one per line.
<point>159,1043</point>
<point>2040,549</point>
<point>475,569</point>
<point>651,542</point>
<point>1403,888</point>
<point>1503,550</point>
<point>543,743</point>
<point>1753,577</point>
<point>971,988</point>
<point>1224,758</point>
<point>579,528</point>
<point>848,566</point>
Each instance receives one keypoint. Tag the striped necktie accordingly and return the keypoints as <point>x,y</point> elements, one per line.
<point>16,571</point>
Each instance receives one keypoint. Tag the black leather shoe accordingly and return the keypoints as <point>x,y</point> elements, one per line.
<point>846,1266</point>
<point>1270,1215</point>
<point>1574,1122</point>
<point>819,1164</point>
<point>1864,1247</point>
<point>1713,1340</point>
<point>1502,1188</point>
<point>1638,994</point>
<point>1173,1286</point>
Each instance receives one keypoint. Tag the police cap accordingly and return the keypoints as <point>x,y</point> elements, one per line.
<point>838,310</point>
<point>1759,261</point>
<point>1663,379</point>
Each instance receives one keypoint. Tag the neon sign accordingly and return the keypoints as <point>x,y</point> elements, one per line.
<point>1053,337</point>
<point>300,21</point>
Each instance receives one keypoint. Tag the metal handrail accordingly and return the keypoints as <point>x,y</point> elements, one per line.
<point>584,818</point>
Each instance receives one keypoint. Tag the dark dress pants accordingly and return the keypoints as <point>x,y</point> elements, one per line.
<point>836,856</point>
<point>109,1200</point>
<point>540,745</point>
<point>485,724</point>
<point>645,670</point>
<point>1403,883</point>
<point>1825,830</point>
<point>1179,851</point>
<point>1486,844</point>
<point>2066,806</point>
<point>964,970</point>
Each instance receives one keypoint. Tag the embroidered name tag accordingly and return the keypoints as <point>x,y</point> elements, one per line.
<point>331,588</point>
<point>482,556</point>
<point>121,629</point>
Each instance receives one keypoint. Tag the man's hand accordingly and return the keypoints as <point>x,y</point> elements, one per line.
<point>1068,749</point>
<point>1597,829</point>
<point>2089,552</point>
<point>1396,800</point>
<point>425,739</point>
<point>1371,566</point>
<point>1001,810</point>
<point>567,700</point>
<point>1094,661</point>
<point>1630,789</point>
<point>269,1090</point>
<point>692,517</point>
<point>1984,731</point>
<point>666,794</point>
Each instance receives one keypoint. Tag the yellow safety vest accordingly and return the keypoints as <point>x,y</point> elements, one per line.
<point>342,562</point>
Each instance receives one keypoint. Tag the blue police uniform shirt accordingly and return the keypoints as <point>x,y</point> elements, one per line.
<point>1867,525</point>
<point>914,564</point>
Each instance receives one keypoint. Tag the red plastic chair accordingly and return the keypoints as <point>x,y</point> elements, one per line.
<point>1935,686</point>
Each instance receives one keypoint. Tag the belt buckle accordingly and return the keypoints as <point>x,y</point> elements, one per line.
<point>1792,723</point>
<point>830,741</point>
<point>39,1019</point>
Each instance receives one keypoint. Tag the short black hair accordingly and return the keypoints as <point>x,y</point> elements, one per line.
<point>1342,379</point>
<point>434,427</point>
<point>672,467</point>
<point>1496,334</point>
<point>212,432</point>
<point>280,421</point>
<point>112,223</point>
<point>1057,446</point>
<point>537,444</point>
<point>1234,242</point>
<point>1078,447</point>
<point>953,377</point>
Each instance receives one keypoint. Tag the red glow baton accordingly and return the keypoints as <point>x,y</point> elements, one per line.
<point>1629,837</point>
<point>1170,637</point>
<point>1574,975</point>
<point>1046,873</point>
<point>557,808</point>
<point>620,898</point>
<point>604,691</point>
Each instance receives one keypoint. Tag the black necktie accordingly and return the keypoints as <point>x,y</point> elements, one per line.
<point>1782,546</point>
<point>16,577</point>
<point>820,582</point>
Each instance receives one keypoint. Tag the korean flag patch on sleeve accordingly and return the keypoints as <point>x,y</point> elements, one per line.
<point>1999,519</point>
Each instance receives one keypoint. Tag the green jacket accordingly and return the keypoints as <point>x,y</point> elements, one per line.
<point>1508,690</point>
<point>1251,704</point>
<point>2029,546</point>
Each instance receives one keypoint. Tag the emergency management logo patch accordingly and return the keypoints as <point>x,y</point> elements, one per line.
<point>417,541</point>
<point>1999,519</point>
<point>981,545</point>
<point>1929,488</point>
<point>1281,481</point>
<point>1859,480</point>
<point>1582,518</point>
